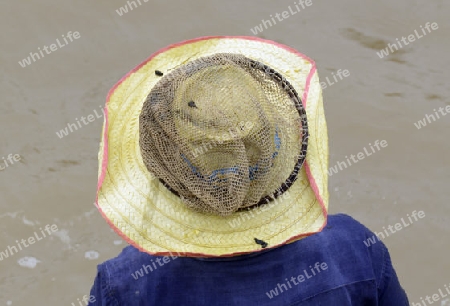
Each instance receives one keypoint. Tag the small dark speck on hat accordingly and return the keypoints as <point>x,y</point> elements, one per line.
<point>192,104</point>
<point>261,242</point>
<point>159,73</point>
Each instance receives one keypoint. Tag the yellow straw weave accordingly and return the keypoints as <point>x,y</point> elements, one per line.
<point>154,219</point>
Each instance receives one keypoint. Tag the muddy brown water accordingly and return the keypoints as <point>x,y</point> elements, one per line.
<point>54,179</point>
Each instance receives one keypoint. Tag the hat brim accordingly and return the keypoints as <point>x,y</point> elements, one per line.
<point>153,219</point>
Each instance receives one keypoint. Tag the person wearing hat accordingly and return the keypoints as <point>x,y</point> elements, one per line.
<point>213,166</point>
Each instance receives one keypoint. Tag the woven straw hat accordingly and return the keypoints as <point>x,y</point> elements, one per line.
<point>215,146</point>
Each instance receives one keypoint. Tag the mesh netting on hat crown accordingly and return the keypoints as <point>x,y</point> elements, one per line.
<point>224,132</point>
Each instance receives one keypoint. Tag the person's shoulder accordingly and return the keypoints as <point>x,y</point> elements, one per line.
<point>345,235</point>
<point>128,256</point>
<point>126,263</point>
<point>346,226</point>
<point>129,253</point>
<point>371,249</point>
<point>343,231</point>
<point>345,220</point>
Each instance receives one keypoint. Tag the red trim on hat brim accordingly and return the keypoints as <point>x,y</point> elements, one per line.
<point>105,145</point>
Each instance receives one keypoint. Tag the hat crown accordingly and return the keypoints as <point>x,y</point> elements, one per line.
<point>223,132</point>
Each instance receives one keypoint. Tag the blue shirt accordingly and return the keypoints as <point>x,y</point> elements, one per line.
<point>342,265</point>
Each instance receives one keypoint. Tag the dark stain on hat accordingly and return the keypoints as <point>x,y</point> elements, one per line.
<point>261,242</point>
<point>192,104</point>
<point>159,73</point>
